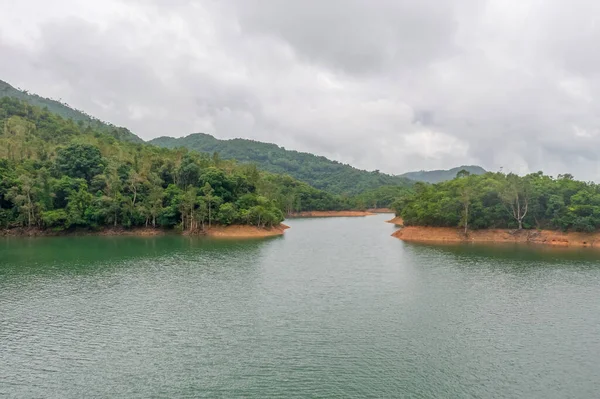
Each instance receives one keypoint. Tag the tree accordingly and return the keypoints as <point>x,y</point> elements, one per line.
<point>227,214</point>
<point>112,195</point>
<point>78,204</point>
<point>187,205</point>
<point>515,196</point>
<point>463,173</point>
<point>465,195</point>
<point>80,161</point>
<point>22,196</point>
<point>155,203</point>
<point>134,182</point>
<point>208,192</point>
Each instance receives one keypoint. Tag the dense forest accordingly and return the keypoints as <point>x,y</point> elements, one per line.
<point>318,171</point>
<point>67,112</point>
<point>497,200</point>
<point>56,173</point>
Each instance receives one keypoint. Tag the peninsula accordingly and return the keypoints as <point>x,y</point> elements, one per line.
<point>497,207</point>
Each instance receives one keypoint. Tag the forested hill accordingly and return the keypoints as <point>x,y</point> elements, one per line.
<point>318,171</point>
<point>56,174</point>
<point>67,112</point>
<point>437,176</point>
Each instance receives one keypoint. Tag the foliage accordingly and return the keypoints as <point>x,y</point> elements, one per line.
<point>65,111</point>
<point>57,174</point>
<point>497,200</point>
<point>320,172</point>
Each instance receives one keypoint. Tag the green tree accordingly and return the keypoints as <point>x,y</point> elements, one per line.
<point>227,214</point>
<point>80,161</point>
<point>515,196</point>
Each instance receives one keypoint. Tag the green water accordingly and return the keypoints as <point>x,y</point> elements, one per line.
<point>335,309</point>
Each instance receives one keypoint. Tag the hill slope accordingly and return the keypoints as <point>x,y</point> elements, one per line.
<point>66,112</point>
<point>55,174</point>
<point>318,171</point>
<point>438,176</point>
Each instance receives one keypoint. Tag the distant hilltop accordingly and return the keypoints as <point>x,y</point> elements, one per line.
<point>68,112</point>
<point>320,172</point>
<point>438,176</point>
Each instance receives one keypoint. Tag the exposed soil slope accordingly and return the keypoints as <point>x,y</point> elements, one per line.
<point>234,231</point>
<point>547,237</point>
<point>380,210</point>
<point>396,220</point>
<point>245,231</point>
<point>325,214</point>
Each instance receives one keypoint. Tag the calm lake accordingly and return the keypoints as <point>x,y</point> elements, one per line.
<point>337,308</point>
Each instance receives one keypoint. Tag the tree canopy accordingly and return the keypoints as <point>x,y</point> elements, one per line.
<point>320,172</point>
<point>56,173</point>
<point>497,200</point>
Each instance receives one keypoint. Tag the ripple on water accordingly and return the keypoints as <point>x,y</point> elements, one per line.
<point>336,308</point>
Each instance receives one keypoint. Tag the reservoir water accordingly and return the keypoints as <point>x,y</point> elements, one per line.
<point>335,309</point>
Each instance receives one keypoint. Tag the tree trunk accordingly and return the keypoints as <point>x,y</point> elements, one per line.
<point>29,210</point>
<point>209,218</point>
<point>192,218</point>
<point>466,219</point>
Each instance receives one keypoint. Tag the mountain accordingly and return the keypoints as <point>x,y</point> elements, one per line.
<point>67,112</point>
<point>437,176</point>
<point>320,172</point>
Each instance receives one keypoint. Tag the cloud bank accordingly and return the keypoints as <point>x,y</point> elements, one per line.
<point>394,85</point>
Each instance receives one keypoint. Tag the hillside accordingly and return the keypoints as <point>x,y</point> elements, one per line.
<point>66,112</point>
<point>318,171</point>
<point>438,176</point>
<point>56,175</point>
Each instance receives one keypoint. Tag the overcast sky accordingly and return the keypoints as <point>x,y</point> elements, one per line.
<point>395,85</point>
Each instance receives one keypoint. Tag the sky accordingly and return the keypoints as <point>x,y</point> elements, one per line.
<point>394,85</point>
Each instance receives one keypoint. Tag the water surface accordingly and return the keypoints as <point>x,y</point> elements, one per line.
<point>336,308</point>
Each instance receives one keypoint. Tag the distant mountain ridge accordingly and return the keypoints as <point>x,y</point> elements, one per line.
<point>67,112</point>
<point>438,176</point>
<point>320,172</point>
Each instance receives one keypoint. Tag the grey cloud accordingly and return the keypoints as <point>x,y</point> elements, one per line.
<point>390,85</point>
<point>354,35</point>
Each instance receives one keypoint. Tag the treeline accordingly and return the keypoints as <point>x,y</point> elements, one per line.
<point>59,174</point>
<point>497,200</point>
<point>320,172</point>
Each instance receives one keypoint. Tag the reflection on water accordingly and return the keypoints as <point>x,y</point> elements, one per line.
<point>539,254</point>
<point>86,254</point>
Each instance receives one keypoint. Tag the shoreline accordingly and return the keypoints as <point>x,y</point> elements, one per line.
<point>329,214</point>
<point>232,231</point>
<point>380,210</point>
<point>541,237</point>
<point>397,220</point>
<point>244,231</point>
